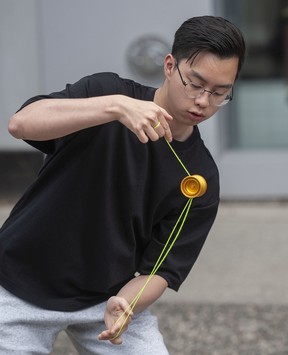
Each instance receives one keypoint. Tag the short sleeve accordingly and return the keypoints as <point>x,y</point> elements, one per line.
<point>186,249</point>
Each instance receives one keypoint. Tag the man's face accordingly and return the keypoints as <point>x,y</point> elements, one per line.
<point>207,71</point>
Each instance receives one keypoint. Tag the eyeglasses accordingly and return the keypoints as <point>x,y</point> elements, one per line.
<point>194,91</point>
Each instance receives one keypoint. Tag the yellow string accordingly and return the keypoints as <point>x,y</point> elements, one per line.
<point>177,157</point>
<point>163,254</point>
<point>157,265</point>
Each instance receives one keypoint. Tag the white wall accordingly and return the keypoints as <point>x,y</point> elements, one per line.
<point>91,36</point>
<point>45,44</point>
<point>19,61</point>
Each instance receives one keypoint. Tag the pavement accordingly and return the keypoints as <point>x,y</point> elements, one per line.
<point>235,300</point>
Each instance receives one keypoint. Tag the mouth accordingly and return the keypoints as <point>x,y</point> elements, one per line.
<point>196,115</point>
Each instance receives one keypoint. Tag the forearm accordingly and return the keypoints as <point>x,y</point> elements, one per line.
<point>53,118</point>
<point>152,291</point>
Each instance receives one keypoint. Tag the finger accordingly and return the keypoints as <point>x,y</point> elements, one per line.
<point>144,133</point>
<point>116,337</point>
<point>121,327</point>
<point>154,130</point>
<point>126,307</point>
<point>165,131</point>
<point>156,125</point>
<point>159,129</point>
<point>106,335</point>
<point>153,133</point>
<point>165,114</point>
<point>168,135</point>
<point>117,341</point>
<point>141,135</point>
<point>162,129</point>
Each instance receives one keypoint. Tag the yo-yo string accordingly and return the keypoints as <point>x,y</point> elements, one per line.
<point>161,257</point>
<point>157,265</point>
<point>177,157</point>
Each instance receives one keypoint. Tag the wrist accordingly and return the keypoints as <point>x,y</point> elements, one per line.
<point>114,106</point>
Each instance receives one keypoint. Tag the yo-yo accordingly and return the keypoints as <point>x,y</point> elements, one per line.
<point>193,186</point>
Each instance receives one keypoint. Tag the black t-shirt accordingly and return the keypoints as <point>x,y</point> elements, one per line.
<point>102,208</point>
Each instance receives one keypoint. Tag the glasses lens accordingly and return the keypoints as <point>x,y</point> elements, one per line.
<point>227,99</point>
<point>193,92</point>
<point>218,101</point>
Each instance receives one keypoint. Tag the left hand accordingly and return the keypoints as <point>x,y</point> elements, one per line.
<point>115,307</point>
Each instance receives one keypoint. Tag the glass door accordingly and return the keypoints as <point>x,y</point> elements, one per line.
<point>253,153</point>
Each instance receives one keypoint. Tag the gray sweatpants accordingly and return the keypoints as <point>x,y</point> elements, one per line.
<point>26,330</point>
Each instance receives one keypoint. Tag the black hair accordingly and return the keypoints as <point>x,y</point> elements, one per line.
<point>211,34</point>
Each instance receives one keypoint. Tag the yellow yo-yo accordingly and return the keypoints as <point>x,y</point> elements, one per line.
<point>193,186</point>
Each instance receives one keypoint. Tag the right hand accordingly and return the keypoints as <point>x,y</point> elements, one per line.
<point>144,118</point>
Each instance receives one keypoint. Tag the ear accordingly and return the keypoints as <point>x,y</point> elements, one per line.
<point>169,64</point>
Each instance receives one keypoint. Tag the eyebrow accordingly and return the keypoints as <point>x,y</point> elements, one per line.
<point>200,77</point>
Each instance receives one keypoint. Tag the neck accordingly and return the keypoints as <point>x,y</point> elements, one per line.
<point>179,132</point>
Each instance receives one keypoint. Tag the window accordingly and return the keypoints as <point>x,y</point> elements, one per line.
<point>258,117</point>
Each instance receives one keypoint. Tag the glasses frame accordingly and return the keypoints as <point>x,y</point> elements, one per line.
<point>223,103</point>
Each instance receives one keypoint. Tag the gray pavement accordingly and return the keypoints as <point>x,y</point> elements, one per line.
<point>235,300</point>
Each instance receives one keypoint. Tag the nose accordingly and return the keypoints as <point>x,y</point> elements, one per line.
<point>203,99</point>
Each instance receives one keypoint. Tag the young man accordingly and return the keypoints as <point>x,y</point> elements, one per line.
<point>108,196</point>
